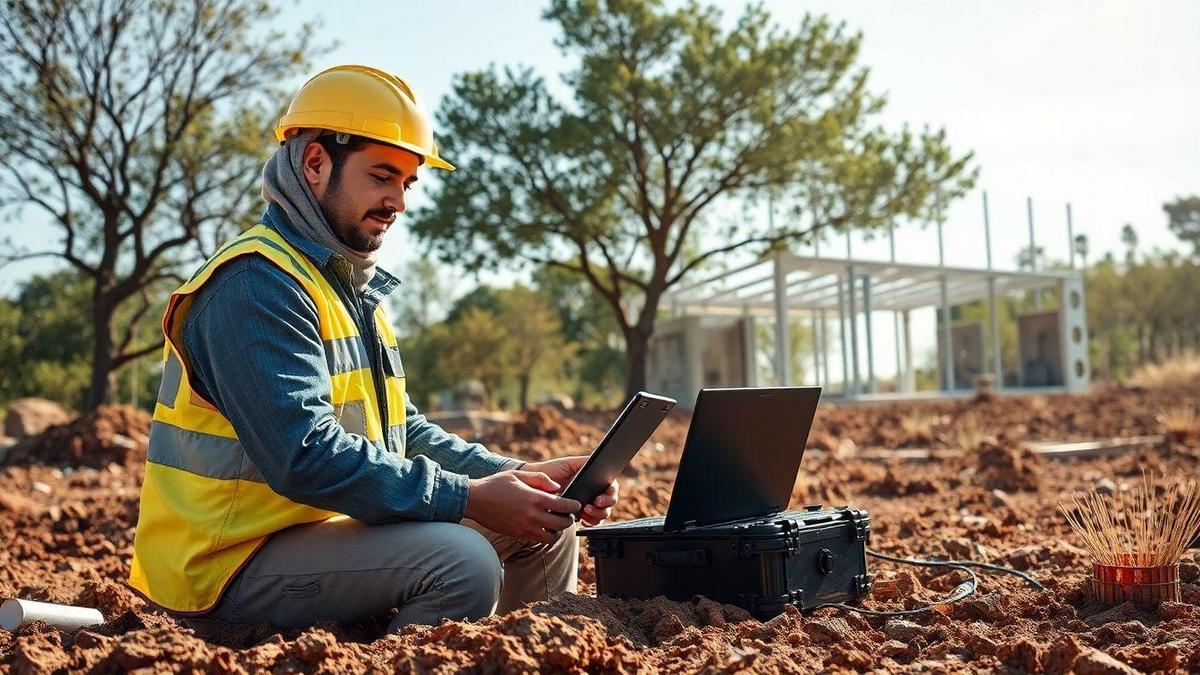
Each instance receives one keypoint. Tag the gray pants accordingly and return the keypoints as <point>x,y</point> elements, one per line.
<point>342,570</point>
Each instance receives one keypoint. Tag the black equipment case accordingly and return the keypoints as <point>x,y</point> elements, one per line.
<point>726,534</point>
<point>803,558</point>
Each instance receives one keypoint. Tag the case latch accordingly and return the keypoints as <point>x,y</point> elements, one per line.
<point>862,529</point>
<point>862,584</point>
<point>742,548</point>
<point>770,605</point>
<point>604,548</point>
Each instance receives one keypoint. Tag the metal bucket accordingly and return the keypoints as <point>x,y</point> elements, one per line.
<point>1144,586</point>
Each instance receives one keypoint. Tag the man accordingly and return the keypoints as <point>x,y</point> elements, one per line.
<point>288,478</point>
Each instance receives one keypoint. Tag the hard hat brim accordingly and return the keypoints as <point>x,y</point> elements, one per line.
<point>432,161</point>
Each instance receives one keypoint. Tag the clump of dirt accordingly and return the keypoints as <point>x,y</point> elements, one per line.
<point>542,433</point>
<point>111,433</point>
<point>898,482</point>
<point>1004,465</point>
<point>542,423</point>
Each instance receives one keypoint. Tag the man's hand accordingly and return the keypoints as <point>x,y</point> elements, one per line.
<point>562,470</point>
<point>521,504</point>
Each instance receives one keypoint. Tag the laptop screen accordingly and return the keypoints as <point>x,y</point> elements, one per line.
<point>742,454</point>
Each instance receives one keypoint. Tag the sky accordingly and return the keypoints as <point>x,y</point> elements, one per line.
<point>1089,102</point>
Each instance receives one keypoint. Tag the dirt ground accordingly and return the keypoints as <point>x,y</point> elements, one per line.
<point>69,504</point>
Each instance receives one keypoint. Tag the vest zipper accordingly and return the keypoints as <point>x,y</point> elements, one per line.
<point>366,329</point>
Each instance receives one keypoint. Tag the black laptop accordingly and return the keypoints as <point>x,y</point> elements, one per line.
<point>740,459</point>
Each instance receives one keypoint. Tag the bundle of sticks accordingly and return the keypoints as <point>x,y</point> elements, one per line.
<point>1143,526</point>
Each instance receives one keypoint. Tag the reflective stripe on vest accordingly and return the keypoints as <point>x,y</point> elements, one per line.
<point>205,507</point>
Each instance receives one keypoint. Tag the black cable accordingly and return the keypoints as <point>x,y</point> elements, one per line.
<point>961,592</point>
<point>934,562</point>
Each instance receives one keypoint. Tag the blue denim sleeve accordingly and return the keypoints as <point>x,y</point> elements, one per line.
<point>253,344</point>
<point>450,451</point>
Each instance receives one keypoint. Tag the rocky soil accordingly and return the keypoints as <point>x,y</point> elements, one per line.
<point>68,505</point>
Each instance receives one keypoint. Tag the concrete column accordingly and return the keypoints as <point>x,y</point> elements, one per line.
<point>815,337</point>
<point>948,360</point>
<point>783,366</point>
<point>1073,335</point>
<point>824,349</point>
<point>899,362</point>
<point>852,308</point>
<point>866,282</point>
<point>749,347</point>
<point>910,375</point>
<point>997,366</point>
<point>842,336</point>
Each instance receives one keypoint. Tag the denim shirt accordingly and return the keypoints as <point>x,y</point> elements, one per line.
<point>255,351</point>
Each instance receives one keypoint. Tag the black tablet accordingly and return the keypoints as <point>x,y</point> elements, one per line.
<point>624,438</point>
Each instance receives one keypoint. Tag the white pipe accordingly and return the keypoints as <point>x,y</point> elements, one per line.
<point>15,614</point>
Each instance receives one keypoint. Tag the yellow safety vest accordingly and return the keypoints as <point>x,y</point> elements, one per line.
<point>205,508</point>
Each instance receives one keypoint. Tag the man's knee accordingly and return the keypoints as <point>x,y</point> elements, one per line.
<point>472,575</point>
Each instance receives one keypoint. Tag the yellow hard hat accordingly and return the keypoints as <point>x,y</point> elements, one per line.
<point>367,102</point>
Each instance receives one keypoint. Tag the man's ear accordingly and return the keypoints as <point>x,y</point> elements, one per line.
<point>317,166</point>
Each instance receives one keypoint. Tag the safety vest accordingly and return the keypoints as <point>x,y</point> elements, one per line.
<point>205,508</point>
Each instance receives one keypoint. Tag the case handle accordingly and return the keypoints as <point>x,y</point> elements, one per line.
<point>691,558</point>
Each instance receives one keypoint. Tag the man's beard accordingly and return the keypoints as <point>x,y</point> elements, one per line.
<point>344,221</point>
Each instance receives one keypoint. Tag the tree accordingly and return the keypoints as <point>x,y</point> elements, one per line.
<point>597,368</point>
<point>1129,238</point>
<point>672,118</point>
<point>478,348</point>
<point>1031,258</point>
<point>1082,248</point>
<point>136,126</point>
<point>535,334</point>
<point>1183,218</point>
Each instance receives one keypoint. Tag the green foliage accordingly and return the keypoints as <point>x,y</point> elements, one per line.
<point>1140,312</point>
<point>12,346</point>
<point>672,116</point>
<point>48,355</point>
<point>534,334</point>
<point>507,339</point>
<point>63,382</point>
<point>48,342</point>
<point>800,337</point>
<point>483,298</point>
<point>1183,218</point>
<point>597,369</point>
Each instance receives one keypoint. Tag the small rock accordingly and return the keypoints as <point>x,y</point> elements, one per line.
<point>1096,662</point>
<point>1061,655</point>
<point>313,645</point>
<point>1023,558</point>
<point>958,547</point>
<point>741,658</point>
<point>29,417</point>
<point>905,631</point>
<point>1106,487</point>
<point>659,447</point>
<point>39,486</point>
<point>123,442</point>
<point>1025,655</point>
<point>975,522</point>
